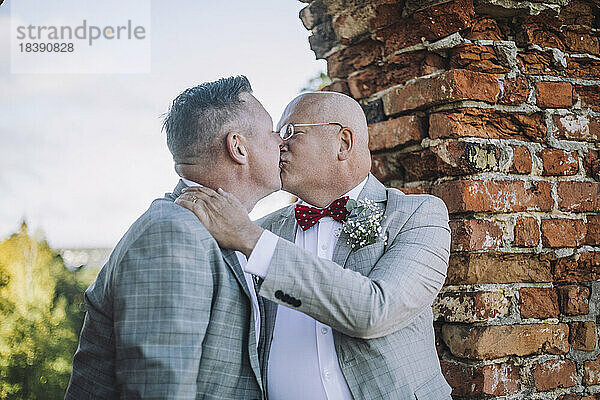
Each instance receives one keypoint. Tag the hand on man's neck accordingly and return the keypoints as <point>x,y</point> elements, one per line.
<point>216,181</point>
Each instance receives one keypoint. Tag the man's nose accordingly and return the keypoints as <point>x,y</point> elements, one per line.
<point>281,141</point>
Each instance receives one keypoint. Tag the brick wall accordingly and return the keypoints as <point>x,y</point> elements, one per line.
<point>494,106</point>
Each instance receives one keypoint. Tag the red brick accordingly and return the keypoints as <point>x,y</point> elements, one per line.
<point>414,190</point>
<point>579,196</point>
<point>431,23</point>
<point>476,58</point>
<point>385,14</point>
<point>552,374</point>
<point>536,62</point>
<point>495,196</point>
<point>395,132</point>
<point>357,22</point>
<point>569,396</point>
<point>385,166</point>
<point>516,91</point>
<point>470,306</point>
<point>591,164</point>
<point>592,236</point>
<point>538,302</point>
<point>340,86</point>
<point>577,13</point>
<point>563,232</point>
<point>353,58</point>
<point>582,267</point>
<point>583,68</point>
<point>582,335</point>
<point>491,124</point>
<point>589,95</point>
<point>591,375</point>
<point>489,342</point>
<point>521,160</point>
<point>475,234</point>
<point>451,158</point>
<point>577,127</point>
<point>454,85</point>
<point>398,69</point>
<point>559,162</point>
<point>493,267</point>
<point>492,379</point>
<point>485,29</point>
<point>574,299</point>
<point>578,39</point>
<point>527,232</point>
<point>542,31</point>
<point>554,94</point>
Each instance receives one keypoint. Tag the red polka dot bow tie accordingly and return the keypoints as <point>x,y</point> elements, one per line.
<point>308,216</point>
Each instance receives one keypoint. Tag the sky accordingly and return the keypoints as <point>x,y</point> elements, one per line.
<point>83,155</point>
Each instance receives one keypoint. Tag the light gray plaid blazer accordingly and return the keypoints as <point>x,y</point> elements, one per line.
<point>169,317</point>
<point>379,303</point>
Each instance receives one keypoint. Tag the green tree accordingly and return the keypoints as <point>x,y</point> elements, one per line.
<point>41,309</point>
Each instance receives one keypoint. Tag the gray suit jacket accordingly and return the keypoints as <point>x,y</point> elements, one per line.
<point>379,303</point>
<point>169,317</point>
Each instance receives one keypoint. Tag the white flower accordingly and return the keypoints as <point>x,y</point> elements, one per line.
<point>363,225</point>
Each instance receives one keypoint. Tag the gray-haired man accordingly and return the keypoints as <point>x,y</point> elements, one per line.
<point>171,315</point>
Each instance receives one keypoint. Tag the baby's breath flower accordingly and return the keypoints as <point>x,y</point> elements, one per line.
<point>363,225</point>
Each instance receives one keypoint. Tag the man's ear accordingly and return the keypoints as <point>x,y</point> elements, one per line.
<point>346,142</point>
<point>236,148</point>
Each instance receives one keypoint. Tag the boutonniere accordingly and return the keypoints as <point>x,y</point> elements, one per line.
<point>363,224</point>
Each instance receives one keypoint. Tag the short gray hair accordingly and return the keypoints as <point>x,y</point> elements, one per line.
<point>197,116</point>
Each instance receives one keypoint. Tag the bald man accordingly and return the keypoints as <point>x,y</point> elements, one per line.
<point>342,321</point>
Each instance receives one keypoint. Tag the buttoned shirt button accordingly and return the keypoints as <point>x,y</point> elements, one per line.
<point>326,374</point>
<point>324,246</point>
<point>324,330</point>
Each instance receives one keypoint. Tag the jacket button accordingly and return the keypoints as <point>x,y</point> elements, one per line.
<point>286,297</point>
<point>278,294</point>
<point>297,303</point>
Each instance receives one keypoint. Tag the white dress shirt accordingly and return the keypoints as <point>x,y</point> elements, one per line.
<point>242,260</point>
<point>303,362</point>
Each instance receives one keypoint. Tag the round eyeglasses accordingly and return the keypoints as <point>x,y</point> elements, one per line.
<point>289,130</point>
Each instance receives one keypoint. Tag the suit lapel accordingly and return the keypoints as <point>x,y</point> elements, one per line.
<point>286,227</point>
<point>231,260</point>
<point>373,190</point>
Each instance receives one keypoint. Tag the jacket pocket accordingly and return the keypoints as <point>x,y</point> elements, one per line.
<point>435,388</point>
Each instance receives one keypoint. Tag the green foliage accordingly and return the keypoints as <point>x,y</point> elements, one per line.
<point>317,83</point>
<point>41,309</point>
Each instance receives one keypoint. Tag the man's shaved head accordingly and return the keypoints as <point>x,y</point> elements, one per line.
<point>330,107</point>
<point>317,158</point>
